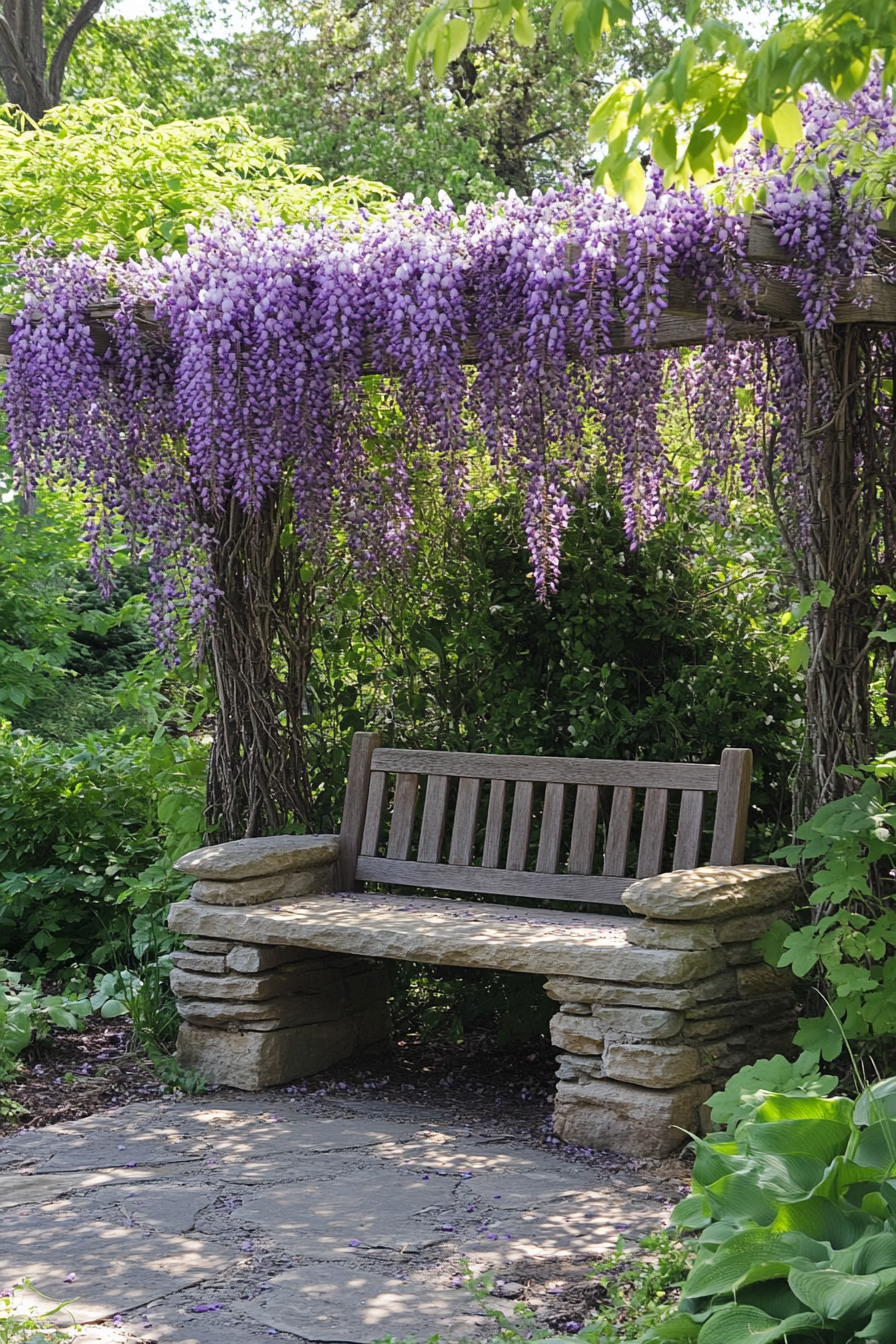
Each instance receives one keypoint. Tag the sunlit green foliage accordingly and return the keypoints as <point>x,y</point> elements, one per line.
<point>797,1212</point>
<point>102,173</point>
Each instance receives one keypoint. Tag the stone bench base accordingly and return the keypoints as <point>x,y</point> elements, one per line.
<point>282,977</point>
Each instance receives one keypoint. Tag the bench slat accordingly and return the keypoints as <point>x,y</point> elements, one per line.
<point>403,808</point>
<point>463,833</point>
<point>735,774</point>
<point>495,881</point>
<point>373,819</point>
<point>551,828</point>
<point>690,830</point>
<point>550,769</point>
<point>584,829</point>
<point>520,827</point>
<point>618,832</point>
<point>494,825</point>
<point>354,812</point>
<point>432,827</point>
<point>653,832</point>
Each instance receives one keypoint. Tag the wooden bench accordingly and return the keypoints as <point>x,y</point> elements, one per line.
<point>283,970</point>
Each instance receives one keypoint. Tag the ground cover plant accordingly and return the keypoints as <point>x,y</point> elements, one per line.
<point>795,1206</point>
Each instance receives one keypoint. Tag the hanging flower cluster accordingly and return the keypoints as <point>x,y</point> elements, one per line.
<point>236,368</point>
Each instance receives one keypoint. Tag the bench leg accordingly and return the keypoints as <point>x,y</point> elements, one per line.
<point>637,1062</point>
<point>258,1016</point>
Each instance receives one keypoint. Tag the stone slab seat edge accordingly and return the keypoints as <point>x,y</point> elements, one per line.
<point>284,976</point>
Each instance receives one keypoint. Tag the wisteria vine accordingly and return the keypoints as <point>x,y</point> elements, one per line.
<point>237,368</point>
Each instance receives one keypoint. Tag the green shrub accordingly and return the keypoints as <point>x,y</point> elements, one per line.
<point>87,836</point>
<point>797,1217</point>
<point>848,849</point>
<point>669,652</point>
<point>26,1014</point>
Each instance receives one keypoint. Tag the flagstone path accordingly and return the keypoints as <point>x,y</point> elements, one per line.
<point>209,1221</point>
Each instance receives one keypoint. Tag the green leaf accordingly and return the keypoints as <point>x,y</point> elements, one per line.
<point>739,1198</point>
<point>749,1325</point>
<point>633,187</point>
<point>771,943</point>
<point>692,1212</point>
<point>876,1101</point>
<point>833,1296</point>
<point>458,31</point>
<point>726,1273</point>
<point>523,32</point>
<point>820,1139</point>
<point>819,1219</point>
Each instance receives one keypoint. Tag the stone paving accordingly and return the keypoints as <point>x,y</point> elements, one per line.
<point>211,1221</point>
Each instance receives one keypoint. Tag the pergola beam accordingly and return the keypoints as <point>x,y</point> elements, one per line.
<point>774,309</point>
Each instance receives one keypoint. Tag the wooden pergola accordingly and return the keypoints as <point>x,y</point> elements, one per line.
<point>845,476</point>
<point>774,311</point>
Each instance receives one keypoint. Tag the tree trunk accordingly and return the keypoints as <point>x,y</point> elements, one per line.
<point>260,651</point>
<point>23,54</point>
<point>840,551</point>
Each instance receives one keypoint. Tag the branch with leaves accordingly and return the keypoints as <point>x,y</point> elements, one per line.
<point>694,113</point>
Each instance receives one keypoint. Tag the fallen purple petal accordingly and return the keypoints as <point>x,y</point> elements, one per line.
<point>354,1242</point>
<point>210,1306</point>
<point>69,1278</point>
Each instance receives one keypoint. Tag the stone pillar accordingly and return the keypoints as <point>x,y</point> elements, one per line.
<point>258,1015</point>
<point>638,1060</point>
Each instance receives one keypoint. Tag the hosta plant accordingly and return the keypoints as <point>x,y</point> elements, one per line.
<point>796,1210</point>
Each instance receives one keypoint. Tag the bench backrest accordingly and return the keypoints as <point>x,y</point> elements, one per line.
<point>482,850</point>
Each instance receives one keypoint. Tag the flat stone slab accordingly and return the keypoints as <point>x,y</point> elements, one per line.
<point>713,892</point>
<point>232,1136</point>
<point>164,1208</point>
<point>117,1268</point>
<point>377,1209</point>
<point>339,1303</point>
<point>589,1228</point>
<point>452,933</point>
<point>261,857</point>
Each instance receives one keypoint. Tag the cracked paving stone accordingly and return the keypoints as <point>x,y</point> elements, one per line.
<point>339,1303</point>
<point>117,1268</point>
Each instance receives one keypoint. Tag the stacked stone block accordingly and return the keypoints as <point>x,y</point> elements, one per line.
<point>258,1015</point>
<point>638,1059</point>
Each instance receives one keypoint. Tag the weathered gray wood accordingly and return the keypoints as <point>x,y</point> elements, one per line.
<point>690,830</point>
<point>584,829</point>
<point>432,825</point>
<point>376,806</point>
<point>494,824</point>
<point>732,806</point>
<point>520,827</point>
<point>653,831</point>
<point>550,769</point>
<point>463,832</point>
<point>618,832</point>
<point>551,829</point>
<point>355,808</point>
<point>495,881</point>
<point>404,806</point>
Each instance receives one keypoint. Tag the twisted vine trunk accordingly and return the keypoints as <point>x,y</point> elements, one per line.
<point>841,552</point>
<point>258,779</point>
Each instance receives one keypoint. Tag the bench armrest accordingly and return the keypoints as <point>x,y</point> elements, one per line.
<point>712,892</point>
<point>252,872</point>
